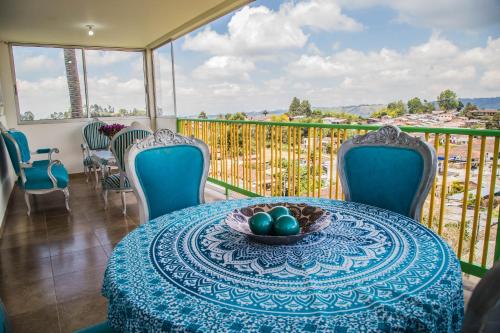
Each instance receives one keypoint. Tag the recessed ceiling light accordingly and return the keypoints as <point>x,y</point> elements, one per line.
<point>91,31</point>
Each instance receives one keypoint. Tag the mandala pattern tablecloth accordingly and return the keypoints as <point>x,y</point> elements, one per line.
<point>371,270</point>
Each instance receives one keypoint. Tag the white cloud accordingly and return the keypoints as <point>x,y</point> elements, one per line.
<point>491,79</point>
<point>37,63</point>
<point>104,58</point>
<point>224,67</point>
<point>260,30</point>
<point>225,89</point>
<point>442,14</point>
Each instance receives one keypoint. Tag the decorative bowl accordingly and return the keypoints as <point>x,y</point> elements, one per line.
<point>310,218</point>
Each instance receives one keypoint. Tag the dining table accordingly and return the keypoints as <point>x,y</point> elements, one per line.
<point>369,270</point>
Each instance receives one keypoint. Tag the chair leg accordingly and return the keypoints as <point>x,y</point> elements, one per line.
<point>66,199</point>
<point>105,196</point>
<point>27,199</point>
<point>96,176</point>
<point>124,203</point>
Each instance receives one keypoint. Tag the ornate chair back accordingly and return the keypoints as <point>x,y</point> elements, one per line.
<point>4,320</point>
<point>18,148</point>
<point>168,172</point>
<point>389,169</point>
<point>94,139</point>
<point>124,139</point>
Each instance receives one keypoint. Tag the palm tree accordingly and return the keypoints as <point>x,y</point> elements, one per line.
<point>75,96</point>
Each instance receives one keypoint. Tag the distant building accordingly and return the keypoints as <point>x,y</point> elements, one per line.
<point>484,112</point>
<point>332,120</point>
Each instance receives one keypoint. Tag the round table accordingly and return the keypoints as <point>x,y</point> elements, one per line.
<point>371,270</point>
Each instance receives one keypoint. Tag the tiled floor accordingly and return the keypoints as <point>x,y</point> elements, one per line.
<point>52,263</point>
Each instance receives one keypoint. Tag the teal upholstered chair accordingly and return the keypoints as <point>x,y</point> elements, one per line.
<point>35,177</point>
<point>119,182</point>
<point>167,172</point>
<point>4,320</point>
<point>93,140</point>
<point>389,169</point>
<point>98,328</point>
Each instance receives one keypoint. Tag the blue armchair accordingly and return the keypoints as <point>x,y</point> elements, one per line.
<point>389,169</point>
<point>92,140</point>
<point>167,172</point>
<point>37,177</point>
<point>119,182</point>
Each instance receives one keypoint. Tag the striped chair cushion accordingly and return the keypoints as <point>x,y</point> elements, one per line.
<point>112,182</point>
<point>87,161</point>
<point>95,140</point>
<point>123,140</point>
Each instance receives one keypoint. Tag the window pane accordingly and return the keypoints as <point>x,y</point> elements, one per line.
<point>164,81</point>
<point>49,82</point>
<point>115,82</point>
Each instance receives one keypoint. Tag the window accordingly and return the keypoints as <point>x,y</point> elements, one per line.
<point>164,80</point>
<point>50,82</point>
<point>66,83</point>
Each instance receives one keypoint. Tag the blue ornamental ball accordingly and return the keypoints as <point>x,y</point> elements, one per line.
<point>286,225</point>
<point>278,211</point>
<point>261,223</point>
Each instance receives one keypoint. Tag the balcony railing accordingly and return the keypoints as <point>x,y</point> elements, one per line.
<point>300,159</point>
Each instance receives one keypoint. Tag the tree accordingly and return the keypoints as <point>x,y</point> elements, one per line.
<point>305,108</point>
<point>202,115</point>
<point>265,113</point>
<point>75,96</point>
<point>294,108</point>
<point>27,116</point>
<point>429,106</point>
<point>494,122</point>
<point>460,106</point>
<point>393,110</point>
<point>447,100</point>
<point>415,105</point>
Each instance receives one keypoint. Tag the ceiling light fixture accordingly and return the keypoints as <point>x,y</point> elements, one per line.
<point>90,32</point>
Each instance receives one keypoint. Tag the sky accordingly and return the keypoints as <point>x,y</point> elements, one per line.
<point>330,52</point>
<point>338,52</point>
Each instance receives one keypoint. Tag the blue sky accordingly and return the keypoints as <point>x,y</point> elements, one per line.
<point>336,52</point>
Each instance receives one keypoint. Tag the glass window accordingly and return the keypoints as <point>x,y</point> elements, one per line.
<point>164,80</point>
<point>115,82</point>
<point>50,82</point>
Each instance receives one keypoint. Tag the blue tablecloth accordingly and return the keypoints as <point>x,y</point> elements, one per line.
<point>371,270</point>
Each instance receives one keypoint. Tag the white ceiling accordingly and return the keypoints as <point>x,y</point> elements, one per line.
<point>118,23</point>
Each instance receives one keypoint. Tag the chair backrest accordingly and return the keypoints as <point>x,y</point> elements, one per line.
<point>125,138</point>
<point>483,310</point>
<point>17,146</point>
<point>389,169</point>
<point>168,172</point>
<point>93,138</point>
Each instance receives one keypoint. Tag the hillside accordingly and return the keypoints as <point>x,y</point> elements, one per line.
<point>483,103</point>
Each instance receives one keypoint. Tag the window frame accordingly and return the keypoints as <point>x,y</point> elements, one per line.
<point>174,93</point>
<point>84,69</point>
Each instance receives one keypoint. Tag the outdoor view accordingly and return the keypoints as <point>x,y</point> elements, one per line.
<point>51,83</point>
<point>348,66</point>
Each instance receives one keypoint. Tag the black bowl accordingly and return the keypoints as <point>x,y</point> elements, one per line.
<point>310,218</point>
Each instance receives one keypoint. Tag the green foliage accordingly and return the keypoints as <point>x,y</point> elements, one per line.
<point>109,111</point>
<point>447,100</point>
<point>27,116</point>
<point>415,105</point>
<point>456,187</point>
<point>350,117</point>
<point>298,108</point>
<point>493,122</point>
<point>236,116</point>
<point>202,115</point>
<point>393,110</point>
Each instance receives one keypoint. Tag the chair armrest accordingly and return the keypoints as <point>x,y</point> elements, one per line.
<point>48,151</point>
<point>49,171</point>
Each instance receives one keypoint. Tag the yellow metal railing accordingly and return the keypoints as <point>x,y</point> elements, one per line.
<point>300,159</point>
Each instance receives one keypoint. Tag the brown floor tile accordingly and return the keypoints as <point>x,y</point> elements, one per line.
<point>28,297</point>
<point>26,252</point>
<point>22,223</point>
<point>23,239</point>
<point>78,284</point>
<point>83,260</point>
<point>15,272</point>
<point>41,321</point>
<point>83,312</point>
<point>113,235</point>
<point>73,243</point>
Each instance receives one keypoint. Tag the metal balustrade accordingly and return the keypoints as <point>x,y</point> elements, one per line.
<point>258,158</point>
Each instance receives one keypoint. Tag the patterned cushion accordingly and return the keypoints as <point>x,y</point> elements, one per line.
<point>112,182</point>
<point>87,161</point>
<point>123,140</point>
<point>95,140</point>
